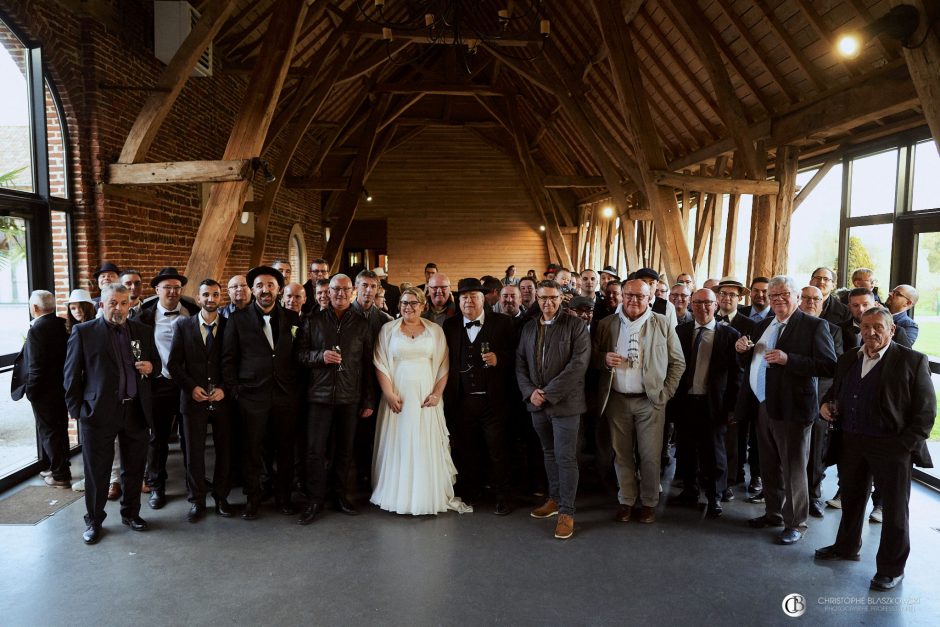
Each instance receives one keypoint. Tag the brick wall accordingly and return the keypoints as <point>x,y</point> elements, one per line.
<point>450,198</point>
<point>99,75</point>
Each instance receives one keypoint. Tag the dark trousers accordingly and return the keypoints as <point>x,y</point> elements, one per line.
<point>52,427</point>
<point>131,430</point>
<point>700,445</point>
<point>526,461</point>
<point>478,420</point>
<point>195,423</point>
<point>277,413</point>
<point>816,468</point>
<point>748,451</point>
<point>884,459</point>
<point>785,451</point>
<point>166,407</point>
<point>322,419</point>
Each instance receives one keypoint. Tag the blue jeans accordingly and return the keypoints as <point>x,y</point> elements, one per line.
<point>559,438</point>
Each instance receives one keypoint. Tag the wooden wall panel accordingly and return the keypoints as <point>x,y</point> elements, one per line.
<point>451,199</point>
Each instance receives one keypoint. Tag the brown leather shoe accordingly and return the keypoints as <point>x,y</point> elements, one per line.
<point>114,491</point>
<point>144,488</point>
<point>623,513</point>
<point>564,528</point>
<point>546,510</point>
<point>647,515</point>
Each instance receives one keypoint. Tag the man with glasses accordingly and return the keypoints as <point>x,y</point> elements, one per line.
<point>441,306</point>
<point>703,403</point>
<point>899,301</point>
<point>319,271</point>
<point>783,359</point>
<point>239,295</point>
<point>686,279</point>
<point>551,361</point>
<point>640,360</point>
<point>729,291</point>
<point>679,297</point>
<point>169,308</point>
<point>833,310</point>
<point>336,345</point>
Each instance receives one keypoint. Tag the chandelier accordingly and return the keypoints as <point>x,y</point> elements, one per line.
<point>464,24</point>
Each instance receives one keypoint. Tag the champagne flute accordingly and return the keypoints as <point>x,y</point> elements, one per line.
<point>210,389</point>
<point>484,348</point>
<point>137,353</point>
<point>339,351</point>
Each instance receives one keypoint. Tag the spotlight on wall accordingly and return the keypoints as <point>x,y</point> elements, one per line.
<point>366,193</point>
<point>607,212</point>
<point>899,23</point>
<point>541,227</point>
<point>260,164</point>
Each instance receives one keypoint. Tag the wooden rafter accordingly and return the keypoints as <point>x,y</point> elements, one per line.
<point>792,47</point>
<point>177,172</point>
<point>714,184</point>
<point>922,63</point>
<point>816,180</point>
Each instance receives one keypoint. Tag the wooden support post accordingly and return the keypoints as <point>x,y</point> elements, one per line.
<point>349,199</point>
<point>649,153</point>
<point>923,61</point>
<point>816,180</point>
<point>762,219</point>
<point>220,218</point>
<point>787,164</point>
<point>171,82</point>
<point>731,232</point>
<point>714,267</point>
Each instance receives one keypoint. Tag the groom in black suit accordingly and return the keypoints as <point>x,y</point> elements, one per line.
<point>476,398</point>
<point>107,389</point>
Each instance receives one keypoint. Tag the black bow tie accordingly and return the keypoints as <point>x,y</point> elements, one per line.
<point>721,318</point>
<point>473,323</point>
<point>171,313</point>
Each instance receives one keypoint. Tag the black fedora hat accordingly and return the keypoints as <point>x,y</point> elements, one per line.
<point>647,273</point>
<point>260,270</point>
<point>167,273</point>
<point>107,266</point>
<point>470,285</point>
<point>612,271</point>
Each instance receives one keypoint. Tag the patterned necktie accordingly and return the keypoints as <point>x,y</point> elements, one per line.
<point>776,328</point>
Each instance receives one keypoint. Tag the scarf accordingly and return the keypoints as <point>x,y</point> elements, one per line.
<point>632,329</point>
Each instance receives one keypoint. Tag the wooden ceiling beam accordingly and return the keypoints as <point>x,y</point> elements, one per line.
<point>560,181</point>
<point>923,61</point>
<point>817,24</point>
<point>171,82</point>
<point>649,153</point>
<point>176,172</point>
<point>680,134</point>
<point>714,184</point>
<point>439,89</point>
<point>816,180</point>
<point>784,35</point>
<point>217,229</point>
<point>374,31</point>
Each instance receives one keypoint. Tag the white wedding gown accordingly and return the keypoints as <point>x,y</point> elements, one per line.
<point>412,469</point>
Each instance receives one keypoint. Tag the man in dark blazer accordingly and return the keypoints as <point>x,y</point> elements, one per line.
<point>704,401</point>
<point>37,375</point>
<point>319,270</point>
<point>860,300</point>
<point>196,366</point>
<point>832,310</point>
<point>884,403</point>
<point>788,353</point>
<point>481,349</point>
<point>260,373</point>
<point>108,368</point>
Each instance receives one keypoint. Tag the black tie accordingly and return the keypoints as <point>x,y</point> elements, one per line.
<point>473,323</point>
<point>171,313</point>
<point>209,337</point>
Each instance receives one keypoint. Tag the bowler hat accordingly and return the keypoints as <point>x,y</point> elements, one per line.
<point>107,266</point>
<point>470,285</point>
<point>647,273</point>
<point>167,273</point>
<point>260,270</point>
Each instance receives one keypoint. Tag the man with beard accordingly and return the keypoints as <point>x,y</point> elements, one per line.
<point>130,278</point>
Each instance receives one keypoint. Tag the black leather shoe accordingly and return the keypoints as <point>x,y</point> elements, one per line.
<point>686,498</point>
<point>764,521</point>
<point>157,499</point>
<point>713,510</point>
<point>346,507</point>
<point>883,582</point>
<point>267,492</point>
<point>286,507</point>
<point>223,509</point>
<point>92,534</point>
<point>136,523</point>
<point>503,507</point>
<point>831,553</point>
<point>196,512</point>
<point>757,498</point>
<point>727,496</point>
<point>310,514</point>
<point>251,510</point>
<point>815,509</point>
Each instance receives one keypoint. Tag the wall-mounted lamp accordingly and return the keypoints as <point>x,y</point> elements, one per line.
<point>366,194</point>
<point>260,164</point>
<point>542,227</point>
<point>899,23</point>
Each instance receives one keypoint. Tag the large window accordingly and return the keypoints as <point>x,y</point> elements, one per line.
<point>926,181</point>
<point>814,226</point>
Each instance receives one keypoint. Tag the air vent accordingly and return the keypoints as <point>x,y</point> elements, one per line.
<point>172,22</point>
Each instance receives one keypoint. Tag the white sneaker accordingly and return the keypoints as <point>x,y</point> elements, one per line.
<point>875,516</point>
<point>79,486</point>
<point>835,502</point>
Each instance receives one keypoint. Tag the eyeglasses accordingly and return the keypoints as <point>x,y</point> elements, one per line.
<point>810,299</point>
<point>341,289</point>
<point>243,286</point>
<point>899,293</point>
<point>628,296</point>
<point>702,303</point>
<point>546,299</point>
<point>439,289</point>
<point>779,296</point>
<point>171,288</point>
<point>729,295</point>
<point>686,282</point>
<point>408,304</point>
<point>822,279</point>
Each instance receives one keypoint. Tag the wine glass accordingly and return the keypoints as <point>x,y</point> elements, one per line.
<point>210,389</point>
<point>485,348</point>
<point>137,353</point>
<point>339,351</point>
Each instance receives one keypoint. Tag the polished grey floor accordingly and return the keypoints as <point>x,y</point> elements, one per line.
<point>469,569</point>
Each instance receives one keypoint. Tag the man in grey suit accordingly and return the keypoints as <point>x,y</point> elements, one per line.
<point>640,359</point>
<point>551,361</point>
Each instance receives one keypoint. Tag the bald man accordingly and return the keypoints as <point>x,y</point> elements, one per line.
<point>294,297</point>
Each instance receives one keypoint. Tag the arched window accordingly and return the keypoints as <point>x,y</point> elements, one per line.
<point>297,253</point>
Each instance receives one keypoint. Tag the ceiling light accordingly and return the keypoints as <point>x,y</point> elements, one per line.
<point>899,23</point>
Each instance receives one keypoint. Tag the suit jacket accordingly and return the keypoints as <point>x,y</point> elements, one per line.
<point>907,403</point>
<point>498,330</point>
<point>91,372</point>
<point>392,296</point>
<point>567,353</point>
<point>834,311</point>
<point>835,331</point>
<point>38,369</point>
<point>791,388</point>
<point>191,364</point>
<point>252,371</point>
<point>747,310</point>
<point>742,324</point>
<point>852,339</point>
<point>724,373</point>
<point>663,362</point>
<point>148,309</point>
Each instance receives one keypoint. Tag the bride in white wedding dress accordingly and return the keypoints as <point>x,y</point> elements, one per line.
<point>412,470</point>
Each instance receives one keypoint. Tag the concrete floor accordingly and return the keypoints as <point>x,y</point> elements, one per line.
<point>379,568</point>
